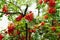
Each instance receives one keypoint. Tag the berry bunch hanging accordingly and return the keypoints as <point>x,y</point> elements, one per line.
<point>29,17</point>
<point>52,9</point>
<point>5,8</point>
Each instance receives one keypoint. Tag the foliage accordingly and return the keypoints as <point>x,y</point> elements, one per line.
<point>24,26</point>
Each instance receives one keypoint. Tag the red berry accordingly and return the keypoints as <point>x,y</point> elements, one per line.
<point>52,3</point>
<point>34,30</point>
<point>46,17</point>
<point>52,10</point>
<point>18,32</point>
<point>30,31</point>
<point>45,1</point>
<point>1,36</point>
<point>40,1</point>
<point>19,18</point>
<point>5,8</point>
<point>53,28</point>
<point>11,28</point>
<point>29,17</point>
<point>23,38</point>
<point>42,23</point>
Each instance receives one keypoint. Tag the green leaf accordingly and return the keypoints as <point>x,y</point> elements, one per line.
<point>39,6</point>
<point>58,5</point>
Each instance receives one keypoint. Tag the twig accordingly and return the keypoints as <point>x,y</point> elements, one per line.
<point>11,12</point>
<point>26,10</point>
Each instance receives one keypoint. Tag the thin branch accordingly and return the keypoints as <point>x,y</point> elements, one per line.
<point>26,10</point>
<point>11,12</point>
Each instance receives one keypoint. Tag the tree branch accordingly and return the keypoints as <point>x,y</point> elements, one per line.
<point>26,10</point>
<point>11,12</point>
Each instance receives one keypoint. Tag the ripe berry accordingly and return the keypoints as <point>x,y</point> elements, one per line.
<point>19,18</point>
<point>5,8</point>
<point>53,28</point>
<point>42,23</point>
<point>11,28</point>
<point>52,10</point>
<point>45,1</point>
<point>18,32</point>
<point>40,1</point>
<point>1,36</point>
<point>46,17</point>
<point>52,3</point>
<point>29,17</point>
<point>34,30</point>
<point>30,31</point>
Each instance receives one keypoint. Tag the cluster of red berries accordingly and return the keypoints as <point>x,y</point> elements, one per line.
<point>53,28</point>
<point>5,8</point>
<point>51,4</point>
<point>41,1</point>
<point>52,8</point>
<point>42,23</point>
<point>29,17</point>
<point>19,17</point>
<point>32,30</point>
<point>1,36</point>
<point>45,16</point>
<point>11,29</point>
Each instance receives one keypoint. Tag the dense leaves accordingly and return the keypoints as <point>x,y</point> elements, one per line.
<point>42,27</point>
<point>52,10</point>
